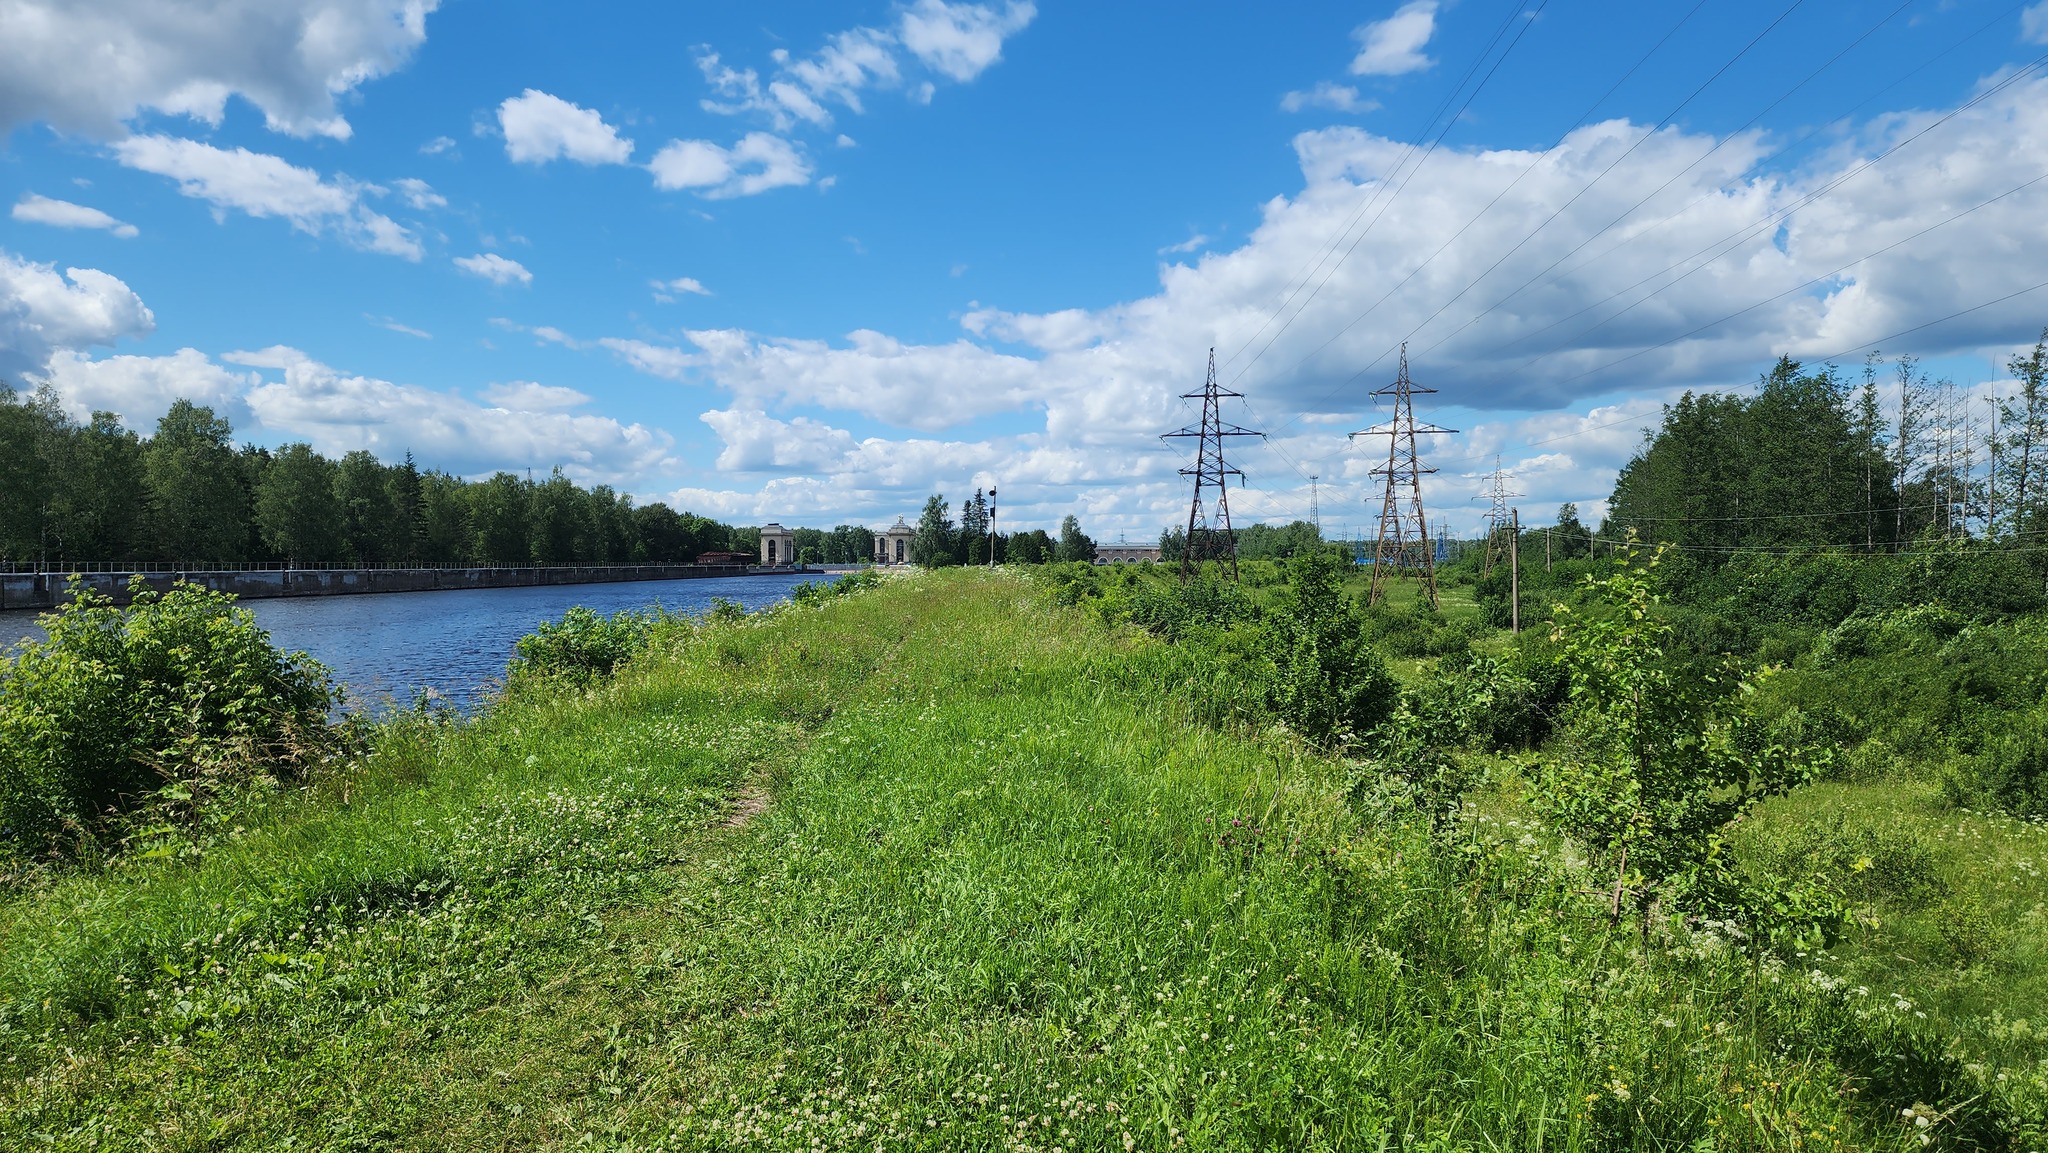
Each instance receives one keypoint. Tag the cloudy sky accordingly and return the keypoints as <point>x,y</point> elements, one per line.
<point>813,261</point>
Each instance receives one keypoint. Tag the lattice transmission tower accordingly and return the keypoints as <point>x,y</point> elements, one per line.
<point>1500,520</point>
<point>1315,505</point>
<point>1404,544</point>
<point>1210,535</point>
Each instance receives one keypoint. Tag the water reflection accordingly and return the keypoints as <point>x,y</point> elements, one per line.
<point>389,646</point>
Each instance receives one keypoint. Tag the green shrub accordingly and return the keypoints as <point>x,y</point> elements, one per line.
<point>1968,928</point>
<point>584,646</point>
<point>175,689</point>
<point>1422,631</point>
<point>1172,610</point>
<point>1878,864</point>
<point>818,592</point>
<point>725,612</point>
<point>1410,769</point>
<point>1654,763</point>
<point>1330,682</point>
<point>1485,703</point>
<point>2009,773</point>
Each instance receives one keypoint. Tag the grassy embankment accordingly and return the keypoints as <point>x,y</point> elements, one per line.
<point>1006,894</point>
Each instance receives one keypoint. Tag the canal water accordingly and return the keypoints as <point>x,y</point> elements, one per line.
<point>388,646</point>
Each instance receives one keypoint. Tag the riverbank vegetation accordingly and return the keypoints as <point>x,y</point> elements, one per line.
<point>1737,844</point>
<point>1092,860</point>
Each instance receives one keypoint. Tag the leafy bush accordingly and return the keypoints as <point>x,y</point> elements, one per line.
<point>1174,610</point>
<point>1879,864</point>
<point>584,646</point>
<point>1421,632</point>
<point>1411,769</point>
<point>1653,765</point>
<point>2010,773</point>
<point>1486,703</point>
<point>818,592</point>
<point>1330,681</point>
<point>179,688</point>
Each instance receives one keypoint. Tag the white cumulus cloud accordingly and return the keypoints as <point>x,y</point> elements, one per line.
<point>1393,47</point>
<point>338,412</point>
<point>89,66</point>
<point>140,389</point>
<point>42,312</point>
<point>36,209</point>
<point>757,163</point>
<point>757,442</point>
<point>528,396</point>
<point>958,41</point>
<point>420,194</point>
<point>961,40</point>
<point>539,128</point>
<point>262,185</point>
<point>2034,24</point>
<point>497,269</point>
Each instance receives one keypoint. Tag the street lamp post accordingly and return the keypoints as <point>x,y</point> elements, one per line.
<point>991,526</point>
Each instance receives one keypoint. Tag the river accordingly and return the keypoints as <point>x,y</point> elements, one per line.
<point>388,646</point>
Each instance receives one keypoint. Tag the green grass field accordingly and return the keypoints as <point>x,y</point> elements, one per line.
<point>932,866</point>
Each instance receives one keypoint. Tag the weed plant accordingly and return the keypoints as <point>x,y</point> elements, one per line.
<point>176,697</point>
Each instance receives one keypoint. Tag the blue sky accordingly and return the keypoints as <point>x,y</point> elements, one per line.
<point>810,262</point>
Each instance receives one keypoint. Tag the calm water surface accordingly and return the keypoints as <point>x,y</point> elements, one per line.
<point>388,646</point>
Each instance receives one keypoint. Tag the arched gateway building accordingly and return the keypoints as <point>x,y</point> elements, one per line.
<point>892,545</point>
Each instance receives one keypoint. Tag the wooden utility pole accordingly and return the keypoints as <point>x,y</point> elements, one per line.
<point>1515,571</point>
<point>1546,550</point>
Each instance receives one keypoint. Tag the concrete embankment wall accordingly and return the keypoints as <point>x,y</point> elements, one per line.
<point>47,590</point>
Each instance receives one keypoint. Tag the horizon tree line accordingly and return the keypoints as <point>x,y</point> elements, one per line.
<point>96,491</point>
<point>1816,458</point>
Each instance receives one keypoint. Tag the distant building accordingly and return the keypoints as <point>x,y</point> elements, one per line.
<point>892,544</point>
<point>778,546</point>
<point>1126,554</point>
<point>725,558</point>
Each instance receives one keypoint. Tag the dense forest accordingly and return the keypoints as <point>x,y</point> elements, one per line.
<point>1815,459</point>
<point>100,492</point>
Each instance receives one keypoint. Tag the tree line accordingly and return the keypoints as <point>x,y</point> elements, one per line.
<point>1817,458</point>
<point>939,542</point>
<point>97,491</point>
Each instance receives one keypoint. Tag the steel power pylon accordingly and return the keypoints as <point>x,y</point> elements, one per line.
<point>1404,544</point>
<point>1210,536</point>
<point>1498,520</point>
<point>1315,506</point>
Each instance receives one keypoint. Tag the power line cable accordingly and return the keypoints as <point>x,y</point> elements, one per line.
<point>1367,202</point>
<point>1531,167</point>
<point>1735,240</point>
<point>1696,201</point>
<point>1561,209</point>
<point>1431,150</point>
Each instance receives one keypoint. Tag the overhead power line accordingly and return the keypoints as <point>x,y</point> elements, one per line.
<point>1736,239</point>
<point>1636,236</point>
<point>1515,12</point>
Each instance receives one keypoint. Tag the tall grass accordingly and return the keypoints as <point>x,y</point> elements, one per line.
<point>1012,891</point>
